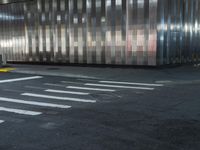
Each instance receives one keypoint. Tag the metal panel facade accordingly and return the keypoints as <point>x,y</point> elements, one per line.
<point>125,32</point>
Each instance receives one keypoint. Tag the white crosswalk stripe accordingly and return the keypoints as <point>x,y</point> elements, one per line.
<point>59,98</point>
<point>56,85</point>
<point>2,121</point>
<point>33,103</point>
<point>119,86</point>
<point>131,83</point>
<point>20,111</point>
<point>90,89</point>
<point>66,92</point>
<point>20,79</point>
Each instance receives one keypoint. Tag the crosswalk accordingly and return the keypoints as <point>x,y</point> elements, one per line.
<point>62,94</point>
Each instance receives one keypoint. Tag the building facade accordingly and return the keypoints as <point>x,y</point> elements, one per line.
<point>118,32</point>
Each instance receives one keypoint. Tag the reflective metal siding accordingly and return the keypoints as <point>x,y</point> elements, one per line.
<point>128,32</point>
<point>178,31</point>
<point>80,31</point>
<point>170,31</point>
<point>12,33</point>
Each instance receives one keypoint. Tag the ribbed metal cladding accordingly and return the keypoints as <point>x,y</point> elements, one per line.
<point>125,32</point>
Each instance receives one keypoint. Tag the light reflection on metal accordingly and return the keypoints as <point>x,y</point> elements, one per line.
<point>129,32</point>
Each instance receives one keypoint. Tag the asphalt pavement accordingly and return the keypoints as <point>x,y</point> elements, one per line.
<point>91,108</point>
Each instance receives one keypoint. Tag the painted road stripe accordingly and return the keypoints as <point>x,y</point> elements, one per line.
<point>6,69</point>
<point>33,103</point>
<point>20,79</point>
<point>59,98</point>
<point>35,87</point>
<point>131,83</point>
<point>2,121</point>
<point>20,111</point>
<point>91,89</point>
<point>70,82</point>
<point>56,85</point>
<point>119,86</point>
<point>66,92</point>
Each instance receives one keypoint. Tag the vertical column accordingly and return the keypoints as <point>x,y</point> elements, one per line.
<point>148,16</point>
<point>27,54</point>
<point>113,31</point>
<point>17,35</point>
<point>123,30</point>
<point>59,56</point>
<point>42,31</point>
<point>160,32</point>
<point>71,30</point>
<point>140,32</point>
<point>98,32</point>
<point>103,31</point>
<point>93,31</point>
<point>108,32</point>
<point>131,31</point>
<point>63,29</point>
<point>197,29</point>
<point>47,32</point>
<point>84,30</point>
<point>152,39</point>
<point>75,28</point>
<point>67,31</point>
<point>36,31</point>
<point>52,27</point>
<point>6,20</point>
<point>55,30</point>
<point>89,32</point>
<point>80,16</point>
<point>118,31</point>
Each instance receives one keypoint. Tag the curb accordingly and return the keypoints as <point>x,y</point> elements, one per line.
<point>59,74</point>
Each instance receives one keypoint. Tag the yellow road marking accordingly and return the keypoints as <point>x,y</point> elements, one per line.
<point>4,70</point>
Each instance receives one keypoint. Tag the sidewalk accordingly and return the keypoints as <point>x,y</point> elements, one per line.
<point>178,74</point>
<point>74,72</point>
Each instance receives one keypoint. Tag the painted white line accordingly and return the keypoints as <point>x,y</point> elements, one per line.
<point>2,121</point>
<point>20,111</point>
<point>131,83</point>
<point>119,86</point>
<point>20,79</point>
<point>164,82</point>
<point>66,92</point>
<point>70,82</point>
<point>33,103</point>
<point>87,80</point>
<point>56,85</point>
<point>91,89</point>
<point>34,87</point>
<point>59,98</point>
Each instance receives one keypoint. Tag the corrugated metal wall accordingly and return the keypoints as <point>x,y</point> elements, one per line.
<point>178,31</point>
<point>129,32</point>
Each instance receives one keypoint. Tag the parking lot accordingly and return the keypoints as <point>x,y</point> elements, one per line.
<point>44,112</point>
